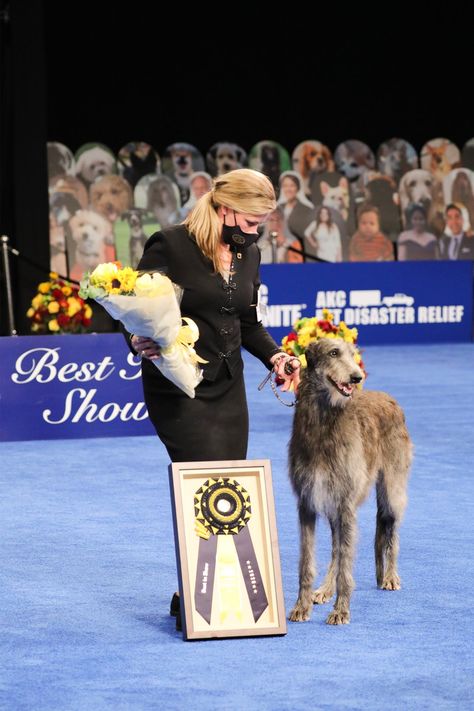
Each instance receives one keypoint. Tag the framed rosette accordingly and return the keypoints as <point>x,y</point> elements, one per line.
<point>227,549</point>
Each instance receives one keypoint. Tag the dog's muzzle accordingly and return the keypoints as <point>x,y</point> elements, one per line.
<point>346,389</point>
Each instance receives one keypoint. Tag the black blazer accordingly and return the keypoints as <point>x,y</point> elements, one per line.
<point>226,317</point>
<point>465,251</point>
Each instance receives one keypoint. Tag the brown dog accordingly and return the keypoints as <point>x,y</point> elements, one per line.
<point>111,196</point>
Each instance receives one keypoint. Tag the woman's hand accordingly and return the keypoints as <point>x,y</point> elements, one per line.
<point>287,369</point>
<point>145,347</point>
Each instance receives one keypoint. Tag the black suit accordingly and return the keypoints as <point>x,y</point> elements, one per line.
<point>465,249</point>
<point>213,425</point>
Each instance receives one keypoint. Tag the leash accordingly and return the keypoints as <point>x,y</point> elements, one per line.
<point>288,368</point>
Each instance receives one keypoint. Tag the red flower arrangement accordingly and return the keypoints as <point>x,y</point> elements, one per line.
<point>307,330</point>
<point>58,308</point>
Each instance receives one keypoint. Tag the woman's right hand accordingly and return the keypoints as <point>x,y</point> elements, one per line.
<point>145,347</point>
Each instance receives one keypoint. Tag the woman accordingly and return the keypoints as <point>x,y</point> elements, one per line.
<point>214,258</point>
<point>297,210</point>
<point>417,243</point>
<point>322,237</point>
<point>275,240</point>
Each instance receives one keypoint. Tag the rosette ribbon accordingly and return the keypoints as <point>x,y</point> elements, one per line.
<point>222,510</point>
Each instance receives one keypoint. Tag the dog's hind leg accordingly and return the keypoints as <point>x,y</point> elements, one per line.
<point>304,604</point>
<point>347,532</point>
<point>391,501</point>
<point>327,589</point>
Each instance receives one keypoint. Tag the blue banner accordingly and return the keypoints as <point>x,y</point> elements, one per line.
<point>90,385</point>
<point>56,387</point>
<point>388,302</point>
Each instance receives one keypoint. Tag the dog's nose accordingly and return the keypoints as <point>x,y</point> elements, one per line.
<point>356,378</point>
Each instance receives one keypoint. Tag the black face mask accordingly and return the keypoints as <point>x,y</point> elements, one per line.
<point>236,238</point>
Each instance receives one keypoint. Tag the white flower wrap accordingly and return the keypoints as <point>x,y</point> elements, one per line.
<point>156,315</point>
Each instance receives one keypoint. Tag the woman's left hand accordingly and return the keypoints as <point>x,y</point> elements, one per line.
<point>287,368</point>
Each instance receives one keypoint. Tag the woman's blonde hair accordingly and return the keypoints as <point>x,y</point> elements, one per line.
<point>242,190</point>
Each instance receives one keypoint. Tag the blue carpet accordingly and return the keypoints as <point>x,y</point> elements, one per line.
<point>87,572</point>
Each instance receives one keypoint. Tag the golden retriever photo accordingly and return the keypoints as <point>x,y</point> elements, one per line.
<point>421,186</point>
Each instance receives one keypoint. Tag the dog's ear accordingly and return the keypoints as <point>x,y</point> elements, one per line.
<point>311,355</point>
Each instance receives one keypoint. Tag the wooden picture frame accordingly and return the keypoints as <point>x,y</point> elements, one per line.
<point>227,552</point>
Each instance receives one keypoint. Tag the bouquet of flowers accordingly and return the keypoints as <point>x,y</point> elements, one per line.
<point>147,304</point>
<point>58,308</point>
<point>307,330</point>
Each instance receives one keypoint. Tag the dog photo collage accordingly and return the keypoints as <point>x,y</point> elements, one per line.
<point>348,205</point>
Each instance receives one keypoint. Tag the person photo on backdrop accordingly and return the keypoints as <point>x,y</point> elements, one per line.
<point>369,244</point>
<point>322,237</point>
<point>454,243</point>
<point>297,210</point>
<point>275,239</point>
<point>417,242</point>
<point>214,258</point>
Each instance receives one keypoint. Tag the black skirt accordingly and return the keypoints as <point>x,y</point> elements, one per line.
<point>213,426</point>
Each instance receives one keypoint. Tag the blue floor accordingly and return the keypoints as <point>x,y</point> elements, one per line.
<point>87,570</point>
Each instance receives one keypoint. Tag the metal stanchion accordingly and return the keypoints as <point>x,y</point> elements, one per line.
<point>8,286</point>
<point>273,239</point>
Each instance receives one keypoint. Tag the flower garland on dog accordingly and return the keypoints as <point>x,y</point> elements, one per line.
<point>306,330</point>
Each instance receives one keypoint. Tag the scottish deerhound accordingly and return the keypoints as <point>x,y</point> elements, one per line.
<point>343,441</point>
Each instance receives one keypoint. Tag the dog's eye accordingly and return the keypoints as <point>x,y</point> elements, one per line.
<point>334,353</point>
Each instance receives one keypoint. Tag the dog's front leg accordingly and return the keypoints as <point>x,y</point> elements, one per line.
<point>327,589</point>
<point>304,604</point>
<point>344,581</point>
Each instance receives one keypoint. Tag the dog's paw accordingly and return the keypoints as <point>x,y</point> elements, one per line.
<point>321,595</point>
<point>338,617</point>
<point>391,582</point>
<point>300,613</point>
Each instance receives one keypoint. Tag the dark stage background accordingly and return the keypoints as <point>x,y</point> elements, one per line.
<point>91,71</point>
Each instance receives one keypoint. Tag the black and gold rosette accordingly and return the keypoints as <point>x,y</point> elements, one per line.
<point>222,508</point>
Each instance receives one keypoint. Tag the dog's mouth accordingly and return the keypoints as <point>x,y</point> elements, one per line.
<point>345,389</point>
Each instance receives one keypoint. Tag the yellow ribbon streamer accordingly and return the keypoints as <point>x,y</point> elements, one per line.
<point>228,576</point>
<point>186,338</point>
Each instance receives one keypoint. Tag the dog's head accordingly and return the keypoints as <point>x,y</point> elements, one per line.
<point>181,159</point>
<point>228,157</point>
<point>60,160</point>
<point>353,158</point>
<point>439,156</point>
<point>70,185</point>
<point>134,217</point>
<point>90,232</point>
<point>110,196</point>
<point>312,157</point>
<point>93,163</point>
<point>332,368</point>
<point>417,186</point>
<point>269,156</point>
<point>336,196</point>
<point>161,194</point>
<point>63,206</point>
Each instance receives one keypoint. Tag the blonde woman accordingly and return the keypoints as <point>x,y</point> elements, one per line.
<point>212,255</point>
